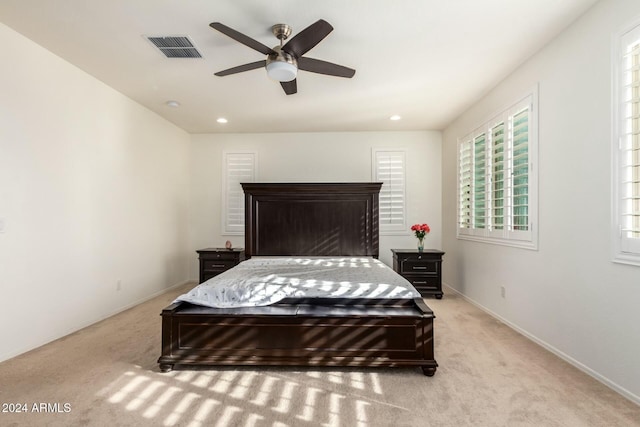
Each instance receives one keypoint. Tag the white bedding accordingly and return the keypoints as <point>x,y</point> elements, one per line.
<point>264,281</point>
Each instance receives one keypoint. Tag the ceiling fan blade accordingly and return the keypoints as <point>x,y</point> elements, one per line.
<point>306,39</point>
<point>324,67</point>
<point>290,87</point>
<point>241,68</point>
<point>245,40</point>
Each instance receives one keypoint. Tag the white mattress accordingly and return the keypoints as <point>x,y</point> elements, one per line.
<point>264,281</point>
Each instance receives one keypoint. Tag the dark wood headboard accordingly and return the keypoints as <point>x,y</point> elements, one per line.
<point>312,219</point>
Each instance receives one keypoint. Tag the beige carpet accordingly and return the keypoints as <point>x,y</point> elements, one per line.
<point>488,376</point>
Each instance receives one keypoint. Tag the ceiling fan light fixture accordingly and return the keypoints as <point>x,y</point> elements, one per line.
<point>282,71</point>
<point>281,66</point>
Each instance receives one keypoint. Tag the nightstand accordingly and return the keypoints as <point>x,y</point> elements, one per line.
<point>422,269</point>
<point>214,261</point>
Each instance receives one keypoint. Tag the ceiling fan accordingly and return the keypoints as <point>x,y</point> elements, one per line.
<point>284,61</point>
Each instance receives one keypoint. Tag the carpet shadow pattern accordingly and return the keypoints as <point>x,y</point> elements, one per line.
<point>489,375</point>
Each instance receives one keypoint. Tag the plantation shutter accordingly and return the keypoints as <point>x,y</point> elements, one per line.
<point>520,171</point>
<point>238,167</point>
<point>498,169</point>
<point>464,184</point>
<point>479,181</point>
<point>389,168</point>
<point>629,146</point>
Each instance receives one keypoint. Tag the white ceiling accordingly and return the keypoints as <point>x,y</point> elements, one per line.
<point>426,60</point>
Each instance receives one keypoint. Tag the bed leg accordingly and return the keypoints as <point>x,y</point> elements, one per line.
<point>429,370</point>
<point>168,367</point>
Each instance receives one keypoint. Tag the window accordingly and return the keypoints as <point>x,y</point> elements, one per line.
<point>626,148</point>
<point>237,168</point>
<point>389,168</point>
<point>497,178</point>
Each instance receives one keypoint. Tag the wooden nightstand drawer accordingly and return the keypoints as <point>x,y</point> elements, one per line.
<point>221,255</point>
<point>424,283</point>
<point>215,265</point>
<point>412,265</point>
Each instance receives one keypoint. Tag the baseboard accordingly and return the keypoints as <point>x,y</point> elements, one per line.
<point>83,325</point>
<point>145,299</point>
<point>604,380</point>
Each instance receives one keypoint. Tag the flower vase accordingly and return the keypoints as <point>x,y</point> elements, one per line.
<point>420,244</point>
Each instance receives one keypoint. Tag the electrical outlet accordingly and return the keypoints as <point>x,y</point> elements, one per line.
<point>503,292</point>
<point>119,285</point>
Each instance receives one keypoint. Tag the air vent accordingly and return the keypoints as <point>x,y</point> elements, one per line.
<point>175,46</point>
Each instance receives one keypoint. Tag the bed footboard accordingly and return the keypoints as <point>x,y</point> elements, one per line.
<point>299,335</point>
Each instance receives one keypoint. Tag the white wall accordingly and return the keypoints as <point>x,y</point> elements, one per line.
<point>92,192</point>
<point>316,157</point>
<point>568,295</point>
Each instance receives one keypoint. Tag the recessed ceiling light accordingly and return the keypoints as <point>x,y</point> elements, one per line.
<point>395,117</point>
<point>173,104</point>
<point>222,120</point>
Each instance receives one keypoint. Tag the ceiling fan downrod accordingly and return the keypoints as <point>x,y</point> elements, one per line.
<point>281,31</point>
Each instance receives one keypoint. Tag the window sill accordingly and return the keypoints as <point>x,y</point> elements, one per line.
<point>394,233</point>
<point>232,233</point>
<point>627,258</point>
<point>529,245</point>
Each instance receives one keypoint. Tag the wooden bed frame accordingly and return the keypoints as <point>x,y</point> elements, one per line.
<point>310,219</point>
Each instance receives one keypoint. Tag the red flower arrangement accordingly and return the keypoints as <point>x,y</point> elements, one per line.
<point>420,230</point>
